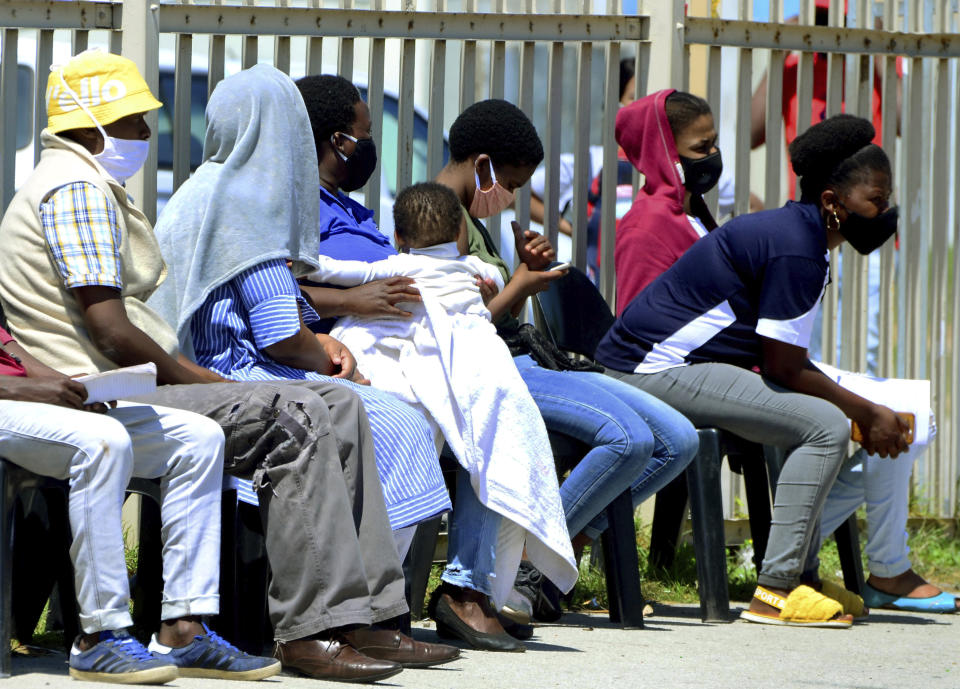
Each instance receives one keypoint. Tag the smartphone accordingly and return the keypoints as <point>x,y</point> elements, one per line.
<point>856,435</point>
<point>560,266</point>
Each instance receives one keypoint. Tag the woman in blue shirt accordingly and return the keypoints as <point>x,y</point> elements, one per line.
<point>744,297</point>
<point>633,440</point>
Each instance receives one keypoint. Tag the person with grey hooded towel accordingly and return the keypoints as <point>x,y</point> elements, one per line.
<point>228,233</point>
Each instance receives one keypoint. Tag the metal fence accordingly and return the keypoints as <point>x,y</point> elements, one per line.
<point>559,62</point>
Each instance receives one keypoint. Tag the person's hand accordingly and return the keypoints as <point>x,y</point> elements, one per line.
<point>533,249</point>
<point>533,281</point>
<point>62,392</point>
<point>359,378</point>
<point>344,365</point>
<point>884,433</point>
<point>488,288</point>
<point>380,297</point>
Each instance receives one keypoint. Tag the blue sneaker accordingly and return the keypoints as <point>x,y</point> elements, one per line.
<point>212,656</point>
<point>121,659</point>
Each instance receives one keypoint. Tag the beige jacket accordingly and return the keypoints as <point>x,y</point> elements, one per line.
<point>43,315</point>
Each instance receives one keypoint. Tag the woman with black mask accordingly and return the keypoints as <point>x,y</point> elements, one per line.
<point>742,299</point>
<point>670,137</point>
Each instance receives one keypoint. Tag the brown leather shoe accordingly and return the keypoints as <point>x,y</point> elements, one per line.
<point>332,660</point>
<point>388,644</point>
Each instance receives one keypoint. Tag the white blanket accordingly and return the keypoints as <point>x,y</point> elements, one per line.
<point>448,360</point>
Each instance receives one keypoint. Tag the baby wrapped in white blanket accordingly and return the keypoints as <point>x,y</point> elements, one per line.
<point>448,361</point>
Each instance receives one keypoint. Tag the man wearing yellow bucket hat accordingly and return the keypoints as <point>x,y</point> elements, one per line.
<point>79,260</point>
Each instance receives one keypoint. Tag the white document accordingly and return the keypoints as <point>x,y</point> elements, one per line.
<point>120,383</point>
<point>898,394</point>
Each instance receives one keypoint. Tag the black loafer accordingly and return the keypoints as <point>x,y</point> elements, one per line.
<point>450,626</point>
<point>515,629</point>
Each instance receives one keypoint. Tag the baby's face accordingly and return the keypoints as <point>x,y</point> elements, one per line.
<point>463,244</point>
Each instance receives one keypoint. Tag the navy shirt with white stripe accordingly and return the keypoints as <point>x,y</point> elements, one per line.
<point>761,274</point>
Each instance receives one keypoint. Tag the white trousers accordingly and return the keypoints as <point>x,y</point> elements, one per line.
<point>98,454</point>
<point>884,486</point>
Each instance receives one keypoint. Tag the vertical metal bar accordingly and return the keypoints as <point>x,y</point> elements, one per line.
<point>375,74</point>
<point>952,449</point>
<point>216,59</point>
<point>183,73</point>
<point>834,106</point>
<point>345,60</point>
<point>8,121</point>
<point>854,295</point>
<point>913,244</point>
<point>497,66</point>
<point>608,194</point>
<point>79,41</point>
<point>805,77</point>
<point>552,139</point>
<point>408,56</point>
<point>666,35</point>
<point>116,42</point>
<point>315,49</point>
<point>890,113</point>
<point>581,148</point>
<point>937,370</point>
<point>141,39</point>
<point>741,204</point>
<point>438,74</point>
<point>468,66</point>
<point>774,116</point>
<point>281,47</point>
<point>249,52</point>
<point>44,60</point>
<point>527,57</point>
<point>714,98</point>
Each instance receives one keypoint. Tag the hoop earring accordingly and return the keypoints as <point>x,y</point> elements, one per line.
<point>833,222</point>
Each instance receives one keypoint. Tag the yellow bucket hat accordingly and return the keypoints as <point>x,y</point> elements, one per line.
<point>109,86</point>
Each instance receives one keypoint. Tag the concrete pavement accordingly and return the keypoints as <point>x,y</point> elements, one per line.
<point>888,651</point>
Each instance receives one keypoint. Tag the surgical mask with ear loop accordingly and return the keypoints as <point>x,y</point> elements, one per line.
<point>491,201</point>
<point>121,158</point>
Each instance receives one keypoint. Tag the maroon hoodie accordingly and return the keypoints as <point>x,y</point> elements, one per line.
<point>655,231</point>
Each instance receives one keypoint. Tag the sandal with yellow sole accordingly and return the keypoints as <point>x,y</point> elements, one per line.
<point>804,607</point>
<point>852,603</point>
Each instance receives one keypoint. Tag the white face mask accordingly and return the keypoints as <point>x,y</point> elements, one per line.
<point>120,158</point>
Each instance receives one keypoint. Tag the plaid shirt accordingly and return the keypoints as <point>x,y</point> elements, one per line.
<point>83,234</point>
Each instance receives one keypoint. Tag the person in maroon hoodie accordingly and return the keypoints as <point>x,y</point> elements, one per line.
<point>670,137</point>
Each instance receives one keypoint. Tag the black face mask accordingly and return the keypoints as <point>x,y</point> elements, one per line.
<point>702,174</point>
<point>866,235</point>
<point>360,164</point>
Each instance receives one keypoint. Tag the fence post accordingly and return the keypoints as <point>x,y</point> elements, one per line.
<point>141,39</point>
<point>666,43</point>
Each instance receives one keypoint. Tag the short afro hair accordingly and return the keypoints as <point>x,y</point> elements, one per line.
<point>837,153</point>
<point>330,101</point>
<point>427,214</point>
<point>683,109</point>
<point>499,129</point>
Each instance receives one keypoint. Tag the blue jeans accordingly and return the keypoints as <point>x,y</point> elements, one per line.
<point>635,442</point>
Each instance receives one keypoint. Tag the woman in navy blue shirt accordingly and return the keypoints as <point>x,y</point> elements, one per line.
<point>745,297</point>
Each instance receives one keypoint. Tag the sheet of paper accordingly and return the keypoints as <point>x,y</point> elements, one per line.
<point>900,395</point>
<point>120,383</point>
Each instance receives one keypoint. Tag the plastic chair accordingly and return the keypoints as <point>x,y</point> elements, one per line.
<point>14,482</point>
<point>244,570</point>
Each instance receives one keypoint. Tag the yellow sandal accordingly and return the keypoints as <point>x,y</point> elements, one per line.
<point>851,602</point>
<point>804,607</point>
